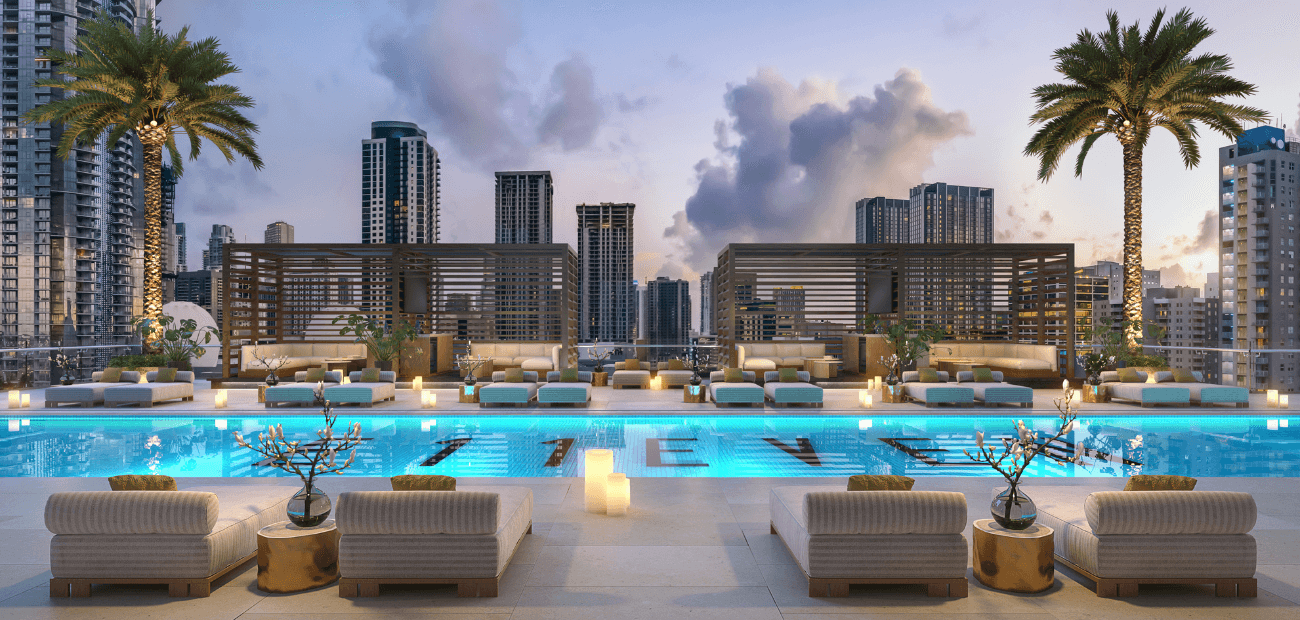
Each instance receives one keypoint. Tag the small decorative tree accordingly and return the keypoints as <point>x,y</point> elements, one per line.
<point>697,362</point>
<point>908,340</point>
<point>384,340</point>
<point>273,363</point>
<point>176,340</point>
<point>67,366</point>
<point>470,364</point>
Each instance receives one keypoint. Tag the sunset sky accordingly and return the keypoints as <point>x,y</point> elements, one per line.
<point>722,121</point>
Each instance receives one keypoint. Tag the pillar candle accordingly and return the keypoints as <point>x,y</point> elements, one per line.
<point>600,464</point>
<point>618,495</point>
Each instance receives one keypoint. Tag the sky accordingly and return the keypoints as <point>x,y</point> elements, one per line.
<point>722,121</point>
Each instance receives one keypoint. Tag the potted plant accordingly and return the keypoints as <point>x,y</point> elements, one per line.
<point>696,362</point>
<point>1011,508</point>
<point>384,340</point>
<point>598,376</point>
<point>178,341</point>
<point>66,365</point>
<point>908,340</point>
<point>272,364</point>
<point>1110,340</point>
<point>308,459</point>
<point>1093,364</point>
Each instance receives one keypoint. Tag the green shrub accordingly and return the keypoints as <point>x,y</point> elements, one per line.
<point>132,362</point>
<point>1147,361</point>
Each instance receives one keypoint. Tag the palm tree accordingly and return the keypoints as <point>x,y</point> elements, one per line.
<point>1125,83</point>
<point>157,86</point>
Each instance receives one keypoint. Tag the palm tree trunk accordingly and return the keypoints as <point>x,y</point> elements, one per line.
<point>1132,240</point>
<point>153,250</point>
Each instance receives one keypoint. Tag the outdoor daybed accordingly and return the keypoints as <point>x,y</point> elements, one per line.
<point>186,539</point>
<point>996,392</point>
<point>791,393</point>
<point>364,394</point>
<point>839,538</point>
<point>745,392</point>
<point>147,394</point>
<point>466,537</point>
<point>501,392</point>
<point>673,373</point>
<point>87,394</point>
<point>763,356</point>
<point>1205,394</point>
<point>1015,360</point>
<point>1121,539</point>
<point>940,393</point>
<point>638,377</point>
<point>1143,393</point>
<point>300,393</point>
<point>556,392</point>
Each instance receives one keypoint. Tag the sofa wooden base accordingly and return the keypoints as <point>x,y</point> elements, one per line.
<point>50,404</point>
<point>822,586</point>
<point>1237,405</point>
<point>718,404</point>
<point>79,587</point>
<point>581,405</point>
<point>810,405</point>
<point>352,587</point>
<point>483,405</point>
<point>144,403</point>
<point>1128,586</point>
<point>369,404</point>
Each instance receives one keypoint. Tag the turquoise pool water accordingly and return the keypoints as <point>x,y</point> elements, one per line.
<point>667,446</point>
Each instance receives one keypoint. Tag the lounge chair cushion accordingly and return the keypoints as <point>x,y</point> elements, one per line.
<point>880,483</point>
<point>1160,483</point>
<point>1164,513</point>
<point>414,482</point>
<point>165,375</point>
<point>884,512</point>
<point>1129,375</point>
<point>132,482</point>
<point>981,375</point>
<point>370,375</point>
<point>112,374</point>
<point>314,375</point>
<point>1182,375</point>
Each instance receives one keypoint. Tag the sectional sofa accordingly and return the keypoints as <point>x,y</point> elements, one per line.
<point>1014,360</point>
<point>764,356</point>
<point>535,356</point>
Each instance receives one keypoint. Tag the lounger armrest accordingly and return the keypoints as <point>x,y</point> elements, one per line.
<point>131,512</point>
<point>1170,512</point>
<point>884,512</point>
<point>418,512</point>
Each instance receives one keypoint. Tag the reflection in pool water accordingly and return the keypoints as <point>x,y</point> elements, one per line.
<point>667,446</point>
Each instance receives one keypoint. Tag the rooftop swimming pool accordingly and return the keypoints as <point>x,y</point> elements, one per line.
<point>663,446</point>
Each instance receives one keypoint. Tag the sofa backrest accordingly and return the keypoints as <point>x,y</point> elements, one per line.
<point>1112,376</point>
<point>131,512</point>
<point>331,376</point>
<point>953,348</point>
<point>128,376</point>
<point>884,512</point>
<point>913,376</point>
<point>774,376</point>
<point>182,376</point>
<point>1170,512</point>
<point>719,376</point>
<point>418,512</point>
<point>966,376</point>
<point>385,376</point>
<point>760,349</point>
<point>530,376</point>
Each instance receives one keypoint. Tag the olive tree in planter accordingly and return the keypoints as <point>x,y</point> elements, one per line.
<point>178,341</point>
<point>384,340</point>
<point>908,340</point>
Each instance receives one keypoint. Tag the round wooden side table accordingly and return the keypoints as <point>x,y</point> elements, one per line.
<point>1013,560</point>
<point>293,559</point>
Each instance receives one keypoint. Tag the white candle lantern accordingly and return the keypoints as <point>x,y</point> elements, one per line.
<point>1272,398</point>
<point>618,495</point>
<point>428,399</point>
<point>1284,401</point>
<point>220,400</point>
<point>417,384</point>
<point>346,380</point>
<point>864,399</point>
<point>27,401</point>
<point>600,464</point>
<point>657,383</point>
<point>15,399</point>
<point>879,381</point>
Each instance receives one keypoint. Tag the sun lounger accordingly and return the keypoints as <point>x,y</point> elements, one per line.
<point>556,393</point>
<point>998,392</point>
<point>86,394</point>
<point>746,393</point>
<point>1146,394</point>
<point>147,394</point>
<point>300,393</point>
<point>801,393</point>
<point>364,394</point>
<point>934,394</point>
<point>501,393</point>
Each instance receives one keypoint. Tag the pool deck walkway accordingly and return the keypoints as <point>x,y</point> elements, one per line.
<point>688,548</point>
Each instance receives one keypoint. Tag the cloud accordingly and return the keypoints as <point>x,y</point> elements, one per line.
<point>626,105</point>
<point>952,26</point>
<point>1045,217</point>
<point>803,156</point>
<point>574,115</point>
<point>1178,246</point>
<point>1016,227</point>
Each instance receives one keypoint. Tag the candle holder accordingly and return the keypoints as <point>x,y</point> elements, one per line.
<point>600,464</point>
<point>1271,397</point>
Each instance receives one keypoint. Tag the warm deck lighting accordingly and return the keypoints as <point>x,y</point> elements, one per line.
<point>618,495</point>
<point>657,383</point>
<point>428,399</point>
<point>346,380</point>
<point>600,464</point>
<point>879,381</point>
<point>220,400</point>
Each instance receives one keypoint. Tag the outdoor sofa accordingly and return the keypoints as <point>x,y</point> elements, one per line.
<point>934,394</point>
<point>1206,394</point>
<point>839,537</point>
<point>364,394</point>
<point>764,356</point>
<point>997,392</point>
<point>464,537</point>
<point>1015,360</point>
<point>301,356</point>
<point>1146,394</point>
<point>624,378</point>
<point>554,392</point>
<point>87,394</point>
<point>536,356</point>
<point>502,393</point>
<point>745,393</point>
<point>800,393</point>
<point>300,393</point>
<point>147,394</point>
<point>185,539</point>
<point>1121,539</point>
<point>673,373</point>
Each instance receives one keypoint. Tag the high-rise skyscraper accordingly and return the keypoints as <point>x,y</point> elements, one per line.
<point>182,260</point>
<point>668,314</point>
<point>708,301</point>
<point>523,201</point>
<point>221,235</point>
<point>1181,312</point>
<point>605,254</point>
<point>883,220</point>
<point>401,177</point>
<point>73,229</point>
<point>1257,197</point>
<point>1114,274</point>
<point>278,232</point>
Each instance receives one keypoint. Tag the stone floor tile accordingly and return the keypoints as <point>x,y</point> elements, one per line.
<point>752,516</point>
<point>1273,503</point>
<point>921,615</point>
<point>1074,597</point>
<point>1277,546</point>
<point>413,599</point>
<point>231,596</point>
<point>711,566</point>
<point>376,616</point>
<point>18,578</point>
<point>651,520</point>
<point>767,548</point>
<point>25,546</point>
<point>1280,579</point>
<point>600,603</point>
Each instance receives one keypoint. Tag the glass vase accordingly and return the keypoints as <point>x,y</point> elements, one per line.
<point>1013,509</point>
<point>309,507</point>
<point>271,379</point>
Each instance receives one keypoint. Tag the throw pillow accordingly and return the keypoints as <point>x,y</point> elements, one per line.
<point>880,483</point>
<point>569,375</point>
<point>928,375</point>
<point>788,375</point>
<point>675,365</point>
<point>733,375</point>
<point>632,365</point>
<point>131,482</point>
<point>1129,375</point>
<point>369,375</point>
<point>315,375</point>
<point>165,375</point>
<point>514,375</point>
<point>411,482</point>
<point>1160,483</point>
<point>1183,376</point>
<point>112,374</point>
<point>983,375</point>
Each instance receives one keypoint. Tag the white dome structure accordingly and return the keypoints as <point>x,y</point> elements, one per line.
<point>182,310</point>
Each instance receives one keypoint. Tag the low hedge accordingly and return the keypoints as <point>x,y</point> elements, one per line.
<point>132,362</point>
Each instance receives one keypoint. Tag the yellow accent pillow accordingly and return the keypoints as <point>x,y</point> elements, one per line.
<point>412,482</point>
<point>983,375</point>
<point>569,375</point>
<point>514,375</point>
<point>132,482</point>
<point>314,375</point>
<point>1183,376</point>
<point>928,375</point>
<point>880,483</point>
<point>1160,483</point>
<point>788,375</point>
<point>1129,375</point>
<point>165,375</point>
<point>733,375</point>
<point>112,374</point>
<point>632,364</point>
<point>369,375</point>
<point>675,365</point>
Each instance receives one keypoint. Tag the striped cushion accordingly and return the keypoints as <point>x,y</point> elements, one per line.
<point>418,512</point>
<point>131,512</point>
<point>1164,512</point>
<point>884,512</point>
